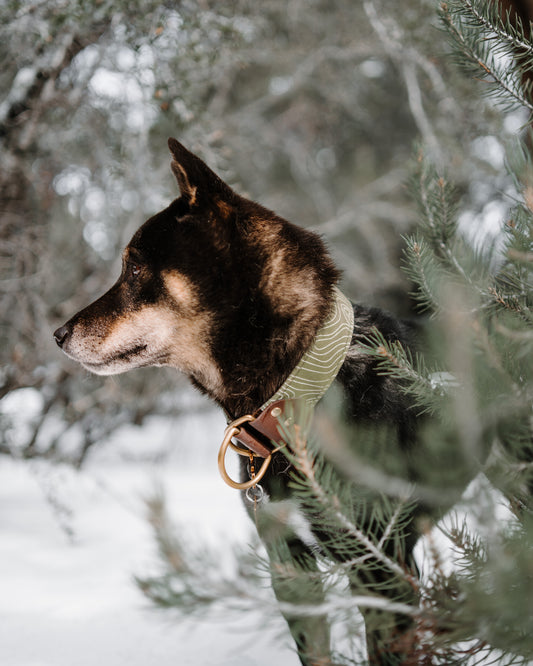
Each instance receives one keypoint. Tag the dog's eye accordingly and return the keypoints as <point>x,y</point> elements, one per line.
<point>133,270</point>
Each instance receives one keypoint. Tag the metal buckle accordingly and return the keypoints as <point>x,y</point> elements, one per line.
<point>232,430</point>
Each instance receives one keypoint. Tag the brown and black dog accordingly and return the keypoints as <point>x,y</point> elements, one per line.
<point>233,295</point>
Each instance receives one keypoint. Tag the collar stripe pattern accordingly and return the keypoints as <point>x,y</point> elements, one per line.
<point>319,366</point>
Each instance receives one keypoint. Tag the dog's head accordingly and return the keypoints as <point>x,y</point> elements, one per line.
<point>194,277</point>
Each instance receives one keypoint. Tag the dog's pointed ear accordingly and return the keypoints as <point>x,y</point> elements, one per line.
<point>197,182</point>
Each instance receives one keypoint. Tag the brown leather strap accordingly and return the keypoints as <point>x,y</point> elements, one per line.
<point>260,434</point>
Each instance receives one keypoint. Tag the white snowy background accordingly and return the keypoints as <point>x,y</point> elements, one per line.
<point>72,541</point>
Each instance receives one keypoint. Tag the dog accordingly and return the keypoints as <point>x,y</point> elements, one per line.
<point>234,296</point>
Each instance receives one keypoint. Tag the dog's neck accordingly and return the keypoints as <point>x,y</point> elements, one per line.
<point>253,371</point>
<point>318,367</point>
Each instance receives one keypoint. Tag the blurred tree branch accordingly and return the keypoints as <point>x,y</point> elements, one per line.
<point>303,108</point>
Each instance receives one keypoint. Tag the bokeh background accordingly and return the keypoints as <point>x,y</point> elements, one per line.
<point>315,109</point>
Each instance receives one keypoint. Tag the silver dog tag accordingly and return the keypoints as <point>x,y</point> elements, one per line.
<point>255,493</point>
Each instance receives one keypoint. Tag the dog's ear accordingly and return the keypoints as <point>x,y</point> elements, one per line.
<point>197,182</point>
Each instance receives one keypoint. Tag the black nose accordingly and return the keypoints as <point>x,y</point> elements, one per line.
<point>61,335</point>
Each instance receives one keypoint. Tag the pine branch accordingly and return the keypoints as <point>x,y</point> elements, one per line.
<point>370,474</point>
<point>438,261</point>
<point>392,524</point>
<point>439,206</point>
<point>350,603</point>
<point>331,504</point>
<point>426,387</point>
<point>469,548</point>
<point>488,15</point>
<point>424,272</point>
<point>477,32</point>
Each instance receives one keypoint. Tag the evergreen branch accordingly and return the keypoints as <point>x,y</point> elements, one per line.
<point>347,566</point>
<point>433,256</point>
<point>514,335</point>
<point>435,195</point>
<point>417,267</point>
<point>468,545</point>
<point>356,469</point>
<point>458,18</point>
<point>427,386</point>
<point>487,15</point>
<point>305,462</point>
<point>520,257</point>
<point>439,211</point>
<point>437,199</point>
<point>508,301</point>
<point>392,523</point>
<point>394,359</point>
<point>352,602</point>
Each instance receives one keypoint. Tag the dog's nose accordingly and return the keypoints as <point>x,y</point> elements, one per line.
<point>61,335</point>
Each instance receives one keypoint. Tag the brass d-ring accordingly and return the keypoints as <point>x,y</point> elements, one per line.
<point>232,430</point>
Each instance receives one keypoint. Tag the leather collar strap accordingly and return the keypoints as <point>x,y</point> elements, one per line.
<point>309,380</point>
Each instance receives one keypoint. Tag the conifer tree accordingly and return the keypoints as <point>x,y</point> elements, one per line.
<point>472,382</point>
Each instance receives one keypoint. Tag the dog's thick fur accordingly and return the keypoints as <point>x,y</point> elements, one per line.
<point>232,295</point>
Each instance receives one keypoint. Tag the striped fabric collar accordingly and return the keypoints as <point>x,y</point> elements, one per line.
<point>319,366</point>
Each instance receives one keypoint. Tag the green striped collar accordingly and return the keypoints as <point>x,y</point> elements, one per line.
<point>319,366</point>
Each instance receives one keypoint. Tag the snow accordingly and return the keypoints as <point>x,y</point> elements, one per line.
<point>72,541</point>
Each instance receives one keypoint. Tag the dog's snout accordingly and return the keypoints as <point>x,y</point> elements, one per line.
<point>60,335</point>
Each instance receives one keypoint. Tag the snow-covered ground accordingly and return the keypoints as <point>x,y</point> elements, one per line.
<point>71,543</point>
